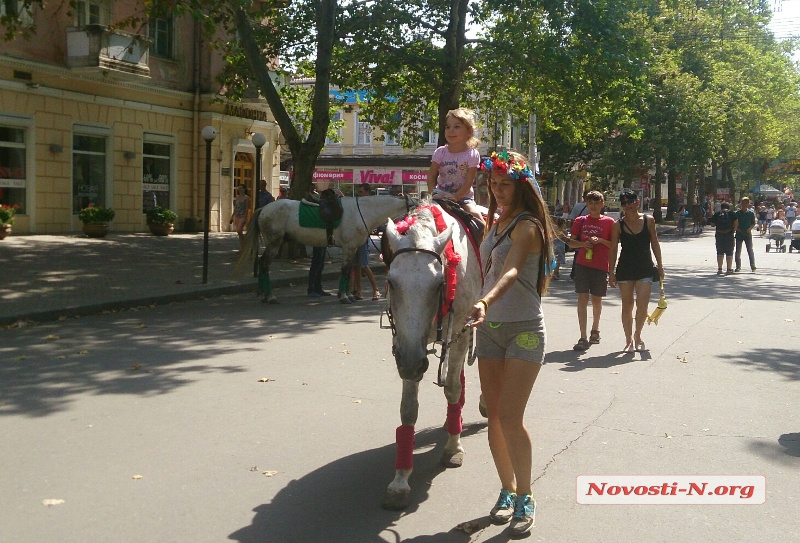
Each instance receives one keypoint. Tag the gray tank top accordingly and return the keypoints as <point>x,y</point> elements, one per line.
<point>521,302</point>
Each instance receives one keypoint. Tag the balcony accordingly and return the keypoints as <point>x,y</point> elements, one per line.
<point>97,49</point>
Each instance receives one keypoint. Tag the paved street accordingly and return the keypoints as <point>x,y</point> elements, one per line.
<point>229,420</point>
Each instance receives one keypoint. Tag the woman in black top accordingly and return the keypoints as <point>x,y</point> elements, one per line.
<point>634,273</point>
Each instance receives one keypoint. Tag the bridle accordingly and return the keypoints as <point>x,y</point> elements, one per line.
<point>409,206</point>
<point>444,353</point>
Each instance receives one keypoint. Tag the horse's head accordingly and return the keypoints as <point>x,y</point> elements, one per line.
<point>416,282</point>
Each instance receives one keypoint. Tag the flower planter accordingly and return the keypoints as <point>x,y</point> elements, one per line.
<point>162,229</point>
<point>95,229</point>
<point>5,230</point>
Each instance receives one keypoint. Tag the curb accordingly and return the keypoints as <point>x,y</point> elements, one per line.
<point>199,293</point>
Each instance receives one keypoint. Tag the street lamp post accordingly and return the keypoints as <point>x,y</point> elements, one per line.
<point>209,133</point>
<point>258,140</point>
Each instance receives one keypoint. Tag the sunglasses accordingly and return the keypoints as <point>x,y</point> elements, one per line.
<point>626,202</point>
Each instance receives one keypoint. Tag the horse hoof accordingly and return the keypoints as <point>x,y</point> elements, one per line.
<point>395,501</point>
<point>482,407</point>
<point>454,460</point>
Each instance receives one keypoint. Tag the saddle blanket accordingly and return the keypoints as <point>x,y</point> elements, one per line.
<point>309,217</point>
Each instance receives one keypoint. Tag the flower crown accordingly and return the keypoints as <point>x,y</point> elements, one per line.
<point>505,164</point>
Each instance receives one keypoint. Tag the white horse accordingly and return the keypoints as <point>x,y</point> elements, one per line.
<point>281,218</point>
<point>416,280</point>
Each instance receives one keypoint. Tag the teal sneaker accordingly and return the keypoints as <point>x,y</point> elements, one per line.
<point>504,508</point>
<point>524,515</point>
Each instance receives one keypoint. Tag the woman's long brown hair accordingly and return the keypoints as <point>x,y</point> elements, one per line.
<point>528,198</point>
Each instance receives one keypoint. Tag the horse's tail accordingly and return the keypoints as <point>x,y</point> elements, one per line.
<point>249,250</point>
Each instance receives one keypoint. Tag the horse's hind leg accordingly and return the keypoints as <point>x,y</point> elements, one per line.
<point>264,284</point>
<point>396,496</point>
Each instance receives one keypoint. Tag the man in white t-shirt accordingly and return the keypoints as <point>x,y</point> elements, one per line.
<point>791,213</point>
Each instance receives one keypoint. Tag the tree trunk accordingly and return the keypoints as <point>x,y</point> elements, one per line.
<point>453,64</point>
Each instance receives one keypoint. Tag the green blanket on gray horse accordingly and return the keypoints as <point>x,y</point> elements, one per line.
<point>309,217</point>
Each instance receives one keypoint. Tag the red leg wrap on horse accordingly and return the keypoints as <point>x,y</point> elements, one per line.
<point>404,437</point>
<point>454,423</point>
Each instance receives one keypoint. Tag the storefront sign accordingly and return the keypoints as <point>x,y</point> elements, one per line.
<point>325,175</point>
<point>723,194</point>
<point>380,176</point>
<point>156,187</point>
<point>12,183</point>
<point>410,176</point>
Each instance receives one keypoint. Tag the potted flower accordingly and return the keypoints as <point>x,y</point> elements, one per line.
<point>161,220</point>
<point>95,220</point>
<point>7,219</point>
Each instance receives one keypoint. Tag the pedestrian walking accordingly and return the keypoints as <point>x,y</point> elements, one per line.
<point>725,222</point>
<point>591,235</point>
<point>241,211</point>
<point>745,221</point>
<point>634,274</point>
<point>361,260</point>
<point>511,332</point>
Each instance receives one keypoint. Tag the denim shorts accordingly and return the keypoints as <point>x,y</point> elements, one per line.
<point>362,256</point>
<point>522,339</point>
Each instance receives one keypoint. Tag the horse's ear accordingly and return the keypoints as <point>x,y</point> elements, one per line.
<point>392,235</point>
<point>441,240</point>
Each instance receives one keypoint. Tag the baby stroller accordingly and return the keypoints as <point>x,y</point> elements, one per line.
<point>777,229</point>
<point>795,243</point>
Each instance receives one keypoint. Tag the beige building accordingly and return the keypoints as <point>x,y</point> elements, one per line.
<point>90,114</point>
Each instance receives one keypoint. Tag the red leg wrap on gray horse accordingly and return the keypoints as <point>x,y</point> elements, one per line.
<point>404,437</point>
<point>454,425</point>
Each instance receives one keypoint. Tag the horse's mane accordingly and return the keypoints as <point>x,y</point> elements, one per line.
<point>423,227</point>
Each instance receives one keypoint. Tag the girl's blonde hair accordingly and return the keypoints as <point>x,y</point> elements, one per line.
<point>467,117</point>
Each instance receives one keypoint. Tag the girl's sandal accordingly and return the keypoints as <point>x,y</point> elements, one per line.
<point>594,337</point>
<point>376,296</point>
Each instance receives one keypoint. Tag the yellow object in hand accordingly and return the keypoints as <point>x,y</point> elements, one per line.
<point>660,308</point>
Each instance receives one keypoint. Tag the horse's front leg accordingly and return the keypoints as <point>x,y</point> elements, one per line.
<point>397,493</point>
<point>453,454</point>
<point>344,280</point>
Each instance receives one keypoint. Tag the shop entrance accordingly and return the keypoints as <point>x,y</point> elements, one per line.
<point>244,174</point>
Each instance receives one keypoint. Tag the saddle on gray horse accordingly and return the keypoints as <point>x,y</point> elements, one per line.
<point>330,209</point>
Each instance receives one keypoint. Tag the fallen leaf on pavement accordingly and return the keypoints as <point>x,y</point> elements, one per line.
<point>52,502</point>
<point>84,351</point>
<point>265,380</point>
<point>356,401</point>
<point>789,320</point>
<point>668,436</point>
<point>136,477</point>
<point>52,337</point>
<point>254,468</point>
<point>136,367</point>
<point>469,527</point>
<point>614,373</point>
<point>561,392</point>
<point>269,473</point>
<point>346,351</point>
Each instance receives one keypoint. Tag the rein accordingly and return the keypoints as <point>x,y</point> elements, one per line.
<point>409,206</point>
<point>444,355</point>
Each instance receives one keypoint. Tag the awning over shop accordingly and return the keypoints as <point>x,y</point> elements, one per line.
<point>766,190</point>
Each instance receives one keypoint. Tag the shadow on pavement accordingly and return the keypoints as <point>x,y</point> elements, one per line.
<point>784,362</point>
<point>340,502</point>
<point>46,367</point>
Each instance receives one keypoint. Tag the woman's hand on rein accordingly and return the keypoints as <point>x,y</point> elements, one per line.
<point>477,315</point>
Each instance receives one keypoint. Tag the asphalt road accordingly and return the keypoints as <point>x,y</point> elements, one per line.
<point>229,420</point>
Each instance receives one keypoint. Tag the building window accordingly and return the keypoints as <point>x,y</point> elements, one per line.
<point>90,13</point>
<point>389,139</point>
<point>17,9</point>
<point>364,135</point>
<point>162,34</point>
<point>156,168</point>
<point>329,140</point>
<point>88,172</point>
<point>12,167</point>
